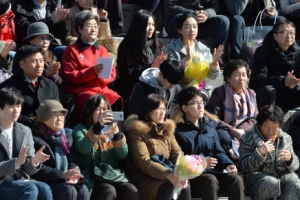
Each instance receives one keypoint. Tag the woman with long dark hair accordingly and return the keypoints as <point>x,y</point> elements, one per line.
<point>138,51</point>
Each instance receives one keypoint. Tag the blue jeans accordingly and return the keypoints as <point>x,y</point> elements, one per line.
<point>149,5</point>
<point>265,22</point>
<point>21,190</point>
<point>216,28</point>
<point>236,34</point>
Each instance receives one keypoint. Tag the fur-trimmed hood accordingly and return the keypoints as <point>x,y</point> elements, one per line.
<point>134,124</point>
<point>109,43</point>
<point>177,115</point>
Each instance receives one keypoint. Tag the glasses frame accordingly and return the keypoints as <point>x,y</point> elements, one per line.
<point>162,109</point>
<point>285,33</point>
<point>58,115</point>
<point>44,39</point>
<point>197,103</point>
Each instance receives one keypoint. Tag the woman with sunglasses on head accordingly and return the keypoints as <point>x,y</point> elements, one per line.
<point>152,135</point>
<point>61,172</point>
<point>196,134</point>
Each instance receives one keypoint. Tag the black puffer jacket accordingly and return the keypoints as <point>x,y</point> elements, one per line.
<point>271,64</point>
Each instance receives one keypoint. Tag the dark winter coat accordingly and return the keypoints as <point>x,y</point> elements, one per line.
<point>48,171</point>
<point>25,16</point>
<point>46,90</point>
<point>271,64</point>
<point>194,140</point>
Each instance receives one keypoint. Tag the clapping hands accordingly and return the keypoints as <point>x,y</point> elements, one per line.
<point>291,81</point>
<point>59,14</point>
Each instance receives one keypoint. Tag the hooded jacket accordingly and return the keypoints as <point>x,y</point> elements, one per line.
<point>148,85</point>
<point>145,140</point>
<point>194,140</point>
<point>7,30</point>
<point>271,64</point>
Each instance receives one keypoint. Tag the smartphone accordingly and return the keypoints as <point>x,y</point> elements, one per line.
<point>118,116</point>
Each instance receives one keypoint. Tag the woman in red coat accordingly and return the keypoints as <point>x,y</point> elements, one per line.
<point>80,69</point>
<point>7,30</point>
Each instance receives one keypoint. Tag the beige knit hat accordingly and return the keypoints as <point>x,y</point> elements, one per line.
<point>46,109</point>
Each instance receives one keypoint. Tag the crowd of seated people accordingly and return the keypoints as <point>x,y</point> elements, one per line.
<point>58,135</point>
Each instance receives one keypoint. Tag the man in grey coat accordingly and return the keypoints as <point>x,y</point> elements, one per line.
<point>17,158</point>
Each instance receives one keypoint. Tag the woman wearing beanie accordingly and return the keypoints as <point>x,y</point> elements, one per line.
<point>61,171</point>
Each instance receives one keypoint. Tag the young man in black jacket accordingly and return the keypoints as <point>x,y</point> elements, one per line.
<point>34,87</point>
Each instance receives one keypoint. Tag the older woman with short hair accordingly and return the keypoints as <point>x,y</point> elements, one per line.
<point>81,70</point>
<point>61,171</point>
<point>234,104</point>
<point>72,35</point>
<point>267,158</point>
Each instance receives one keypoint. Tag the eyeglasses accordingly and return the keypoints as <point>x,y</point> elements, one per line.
<point>285,32</point>
<point>57,115</point>
<point>47,39</point>
<point>162,109</point>
<point>197,103</point>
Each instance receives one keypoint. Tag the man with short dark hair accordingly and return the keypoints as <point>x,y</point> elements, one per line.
<point>275,75</point>
<point>163,81</point>
<point>17,159</point>
<point>29,81</point>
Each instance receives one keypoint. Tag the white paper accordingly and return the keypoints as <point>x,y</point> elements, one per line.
<point>107,67</point>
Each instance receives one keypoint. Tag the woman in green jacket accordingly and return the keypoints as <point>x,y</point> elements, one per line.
<point>93,139</point>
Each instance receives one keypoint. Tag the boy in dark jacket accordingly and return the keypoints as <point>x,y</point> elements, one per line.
<point>196,134</point>
<point>163,81</point>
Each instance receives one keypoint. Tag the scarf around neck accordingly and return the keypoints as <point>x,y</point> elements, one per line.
<point>238,107</point>
<point>59,138</point>
<point>149,51</point>
<point>61,147</point>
